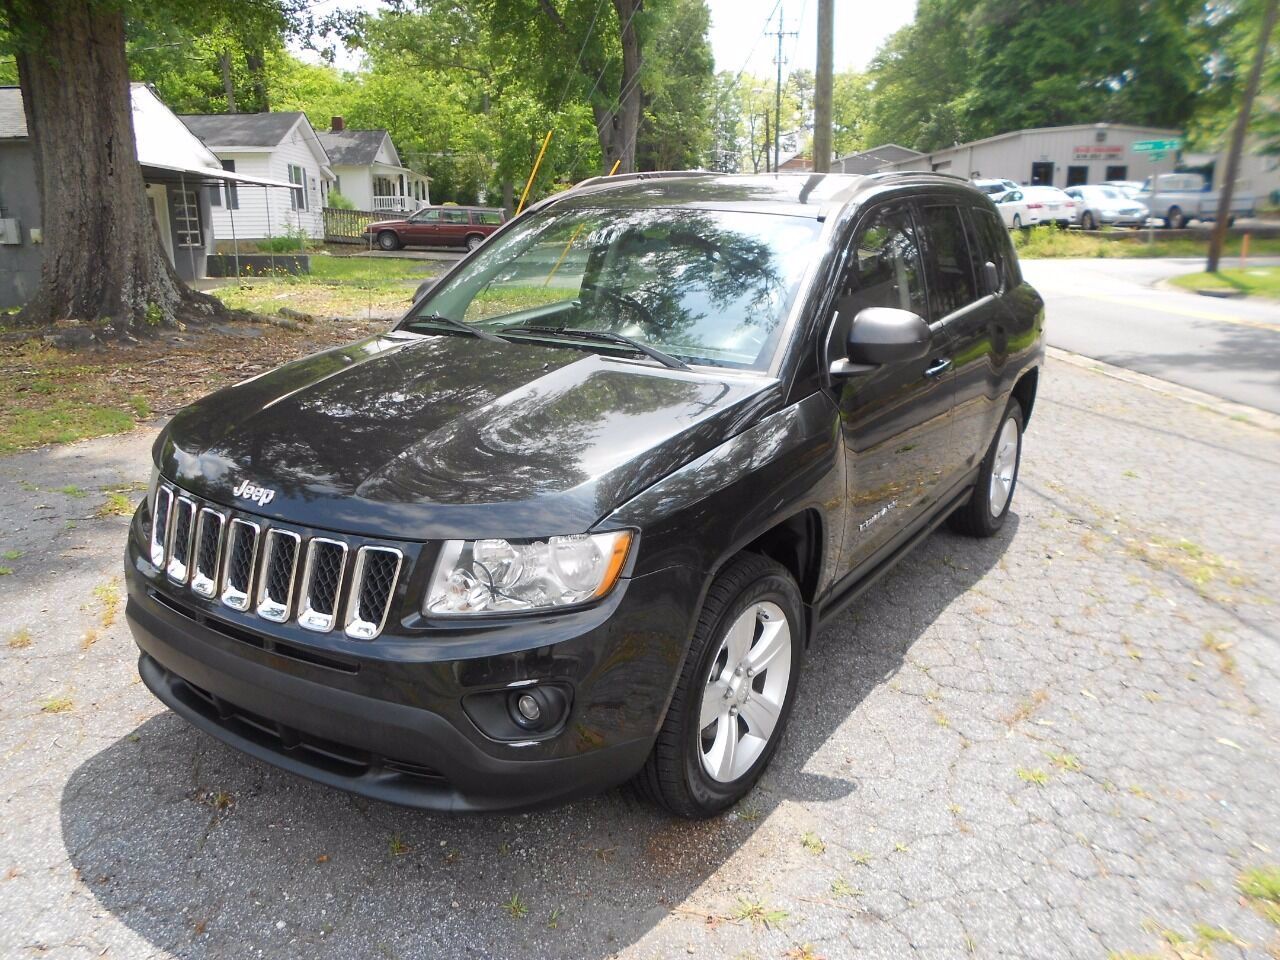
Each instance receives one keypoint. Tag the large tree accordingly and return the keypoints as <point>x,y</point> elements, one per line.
<point>103,263</point>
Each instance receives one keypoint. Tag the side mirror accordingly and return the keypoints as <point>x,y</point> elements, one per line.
<point>879,336</point>
<point>423,289</point>
<point>990,277</point>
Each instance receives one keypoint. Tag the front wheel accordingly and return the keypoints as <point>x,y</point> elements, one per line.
<point>387,240</point>
<point>985,511</point>
<point>734,694</point>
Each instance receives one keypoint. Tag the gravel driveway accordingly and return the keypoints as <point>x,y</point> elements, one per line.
<point>1063,742</point>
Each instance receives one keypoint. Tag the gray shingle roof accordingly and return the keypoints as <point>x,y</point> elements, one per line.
<point>354,148</point>
<point>13,122</point>
<point>241,129</point>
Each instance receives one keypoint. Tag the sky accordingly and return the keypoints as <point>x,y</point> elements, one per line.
<point>738,28</point>
<point>738,31</point>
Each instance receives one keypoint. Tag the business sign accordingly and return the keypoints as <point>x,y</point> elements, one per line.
<point>1097,151</point>
<point>1157,146</point>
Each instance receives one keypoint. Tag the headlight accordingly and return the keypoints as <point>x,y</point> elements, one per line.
<point>498,576</point>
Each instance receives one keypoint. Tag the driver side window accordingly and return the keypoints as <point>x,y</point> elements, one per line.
<point>884,271</point>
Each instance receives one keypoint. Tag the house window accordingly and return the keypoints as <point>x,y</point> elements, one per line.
<point>186,217</point>
<point>297,195</point>
<point>232,191</point>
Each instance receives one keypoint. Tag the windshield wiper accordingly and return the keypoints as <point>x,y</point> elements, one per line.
<point>604,336</point>
<point>452,324</point>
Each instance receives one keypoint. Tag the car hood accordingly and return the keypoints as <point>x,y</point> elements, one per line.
<point>428,437</point>
<point>377,224</point>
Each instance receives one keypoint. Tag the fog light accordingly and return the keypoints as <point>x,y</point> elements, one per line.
<point>529,708</point>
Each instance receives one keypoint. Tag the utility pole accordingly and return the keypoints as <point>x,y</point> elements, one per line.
<point>777,93</point>
<point>822,87</point>
<point>1269,16</point>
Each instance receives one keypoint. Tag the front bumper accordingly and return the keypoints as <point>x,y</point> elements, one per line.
<point>386,718</point>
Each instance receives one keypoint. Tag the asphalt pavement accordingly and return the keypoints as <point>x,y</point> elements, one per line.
<point>1063,742</point>
<point>1124,313</point>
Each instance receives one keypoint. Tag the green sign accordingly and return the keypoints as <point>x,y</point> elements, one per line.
<point>1157,146</point>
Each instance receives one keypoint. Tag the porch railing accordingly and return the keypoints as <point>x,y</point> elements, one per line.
<point>398,204</point>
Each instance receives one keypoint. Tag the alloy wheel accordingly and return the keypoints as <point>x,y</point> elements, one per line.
<point>745,692</point>
<point>1004,468</point>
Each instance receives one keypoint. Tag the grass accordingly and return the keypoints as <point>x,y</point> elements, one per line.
<point>758,914</point>
<point>336,286</point>
<point>1251,281</point>
<point>1052,242</point>
<point>397,847</point>
<point>108,597</point>
<point>811,842</point>
<point>56,705</point>
<point>516,907</point>
<point>1036,776</point>
<point>20,639</point>
<point>1262,886</point>
<point>61,421</point>
<point>116,505</point>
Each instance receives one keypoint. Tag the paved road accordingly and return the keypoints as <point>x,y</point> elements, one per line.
<point>1058,743</point>
<point>1111,310</point>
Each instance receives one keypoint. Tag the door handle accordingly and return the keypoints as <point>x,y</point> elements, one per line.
<point>938,367</point>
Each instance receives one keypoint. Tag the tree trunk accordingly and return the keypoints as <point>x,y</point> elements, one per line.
<point>256,61</point>
<point>103,262</point>
<point>618,128</point>
<point>224,62</point>
<point>1227,193</point>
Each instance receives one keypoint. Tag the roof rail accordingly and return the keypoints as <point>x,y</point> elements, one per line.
<point>642,175</point>
<point>888,174</point>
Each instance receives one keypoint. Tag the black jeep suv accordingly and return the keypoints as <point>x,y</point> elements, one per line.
<point>575,519</point>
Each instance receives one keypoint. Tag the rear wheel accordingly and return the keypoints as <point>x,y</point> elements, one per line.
<point>734,694</point>
<point>474,241</point>
<point>1017,221</point>
<point>984,513</point>
<point>387,240</point>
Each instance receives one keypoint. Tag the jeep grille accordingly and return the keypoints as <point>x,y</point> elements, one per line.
<point>254,568</point>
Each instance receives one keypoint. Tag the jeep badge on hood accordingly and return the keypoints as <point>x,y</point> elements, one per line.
<point>259,495</point>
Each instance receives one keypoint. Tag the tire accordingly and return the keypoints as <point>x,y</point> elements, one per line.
<point>1017,221</point>
<point>755,591</point>
<point>474,241</point>
<point>1087,222</point>
<point>388,240</point>
<point>1176,219</point>
<point>979,516</point>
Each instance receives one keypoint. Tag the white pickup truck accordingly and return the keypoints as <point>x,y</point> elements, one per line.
<point>1182,197</point>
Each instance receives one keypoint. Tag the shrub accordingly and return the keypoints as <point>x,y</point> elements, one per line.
<point>339,202</point>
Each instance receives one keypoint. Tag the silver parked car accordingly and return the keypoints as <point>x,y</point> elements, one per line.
<point>1099,206</point>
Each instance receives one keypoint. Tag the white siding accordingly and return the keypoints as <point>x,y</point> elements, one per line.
<point>356,185</point>
<point>253,219</point>
<point>1011,157</point>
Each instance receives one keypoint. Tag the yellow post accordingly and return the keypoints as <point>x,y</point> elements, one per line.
<point>563,254</point>
<point>534,172</point>
<point>616,164</point>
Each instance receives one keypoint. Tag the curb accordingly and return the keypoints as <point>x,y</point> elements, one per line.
<point>1239,412</point>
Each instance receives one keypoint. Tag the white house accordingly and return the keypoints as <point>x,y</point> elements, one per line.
<point>368,172</point>
<point>280,146</point>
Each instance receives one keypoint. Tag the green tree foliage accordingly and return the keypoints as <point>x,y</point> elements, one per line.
<point>675,131</point>
<point>965,69</point>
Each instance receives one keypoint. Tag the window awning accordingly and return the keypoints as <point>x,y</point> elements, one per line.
<point>206,173</point>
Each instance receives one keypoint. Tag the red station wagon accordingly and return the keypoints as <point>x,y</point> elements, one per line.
<point>438,227</point>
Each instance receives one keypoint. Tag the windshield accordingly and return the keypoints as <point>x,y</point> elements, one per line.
<point>704,286</point>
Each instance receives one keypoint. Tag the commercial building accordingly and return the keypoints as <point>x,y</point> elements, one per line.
<point>1051,156</point>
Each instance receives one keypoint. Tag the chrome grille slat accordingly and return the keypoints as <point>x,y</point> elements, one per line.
<point>322,583</point>
<point>279,567</point>
<point>182,524</point>
<point>208,556</point>
<point>160,516</point>
<point>242,551</point>
<point>373,584</point>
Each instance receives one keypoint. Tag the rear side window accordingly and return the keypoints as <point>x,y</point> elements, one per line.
<point>454,216</point>
<point>490,218</point>
<point>951,272</point>
<point>993,243</point>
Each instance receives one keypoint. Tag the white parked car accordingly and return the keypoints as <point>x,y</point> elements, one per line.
<point>1130,188</point>
<point>1013,209</point>
<point>994,187</point>
<point>1099,206</point>
<point>1049,205</point>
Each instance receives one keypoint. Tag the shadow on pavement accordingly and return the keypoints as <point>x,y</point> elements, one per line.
<point>204,852</point>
